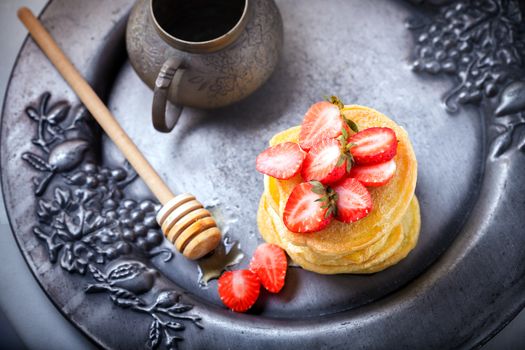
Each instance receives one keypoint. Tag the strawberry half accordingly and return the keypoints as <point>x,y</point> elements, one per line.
<point>324,163</point>
<point>269,264</point>
<point>304,212</point>
<point>322,120</point>
<point>353,200</point>
<point>281,161</point>
<point>373,145</point>
<point>374,175</point>
<point>239,289</point>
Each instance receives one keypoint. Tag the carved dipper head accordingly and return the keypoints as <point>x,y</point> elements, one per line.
<point>189,226</point>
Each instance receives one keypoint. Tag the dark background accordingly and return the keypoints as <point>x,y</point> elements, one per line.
<point>28,320</point>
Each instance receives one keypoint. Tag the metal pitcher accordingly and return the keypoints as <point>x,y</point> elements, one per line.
<point>199,54</point>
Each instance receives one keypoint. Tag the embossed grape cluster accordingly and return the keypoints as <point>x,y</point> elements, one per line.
<point>480,42</point>
<point>136,220</point>
<point>439,47</point>
<point>92,176</point>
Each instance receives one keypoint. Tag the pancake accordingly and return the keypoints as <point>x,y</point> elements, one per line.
<point>360,256</point>
<point>390,201</point>
<point>409,243</point>
<point>265,224</point>
<point>399,243</point>
<point>410,234</point>
<point>384,248</point>
<point>356,257</point>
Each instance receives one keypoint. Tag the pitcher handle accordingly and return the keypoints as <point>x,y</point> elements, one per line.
<point>170,74</point>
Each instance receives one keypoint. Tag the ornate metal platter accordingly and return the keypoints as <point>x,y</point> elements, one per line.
<point>450,73</point>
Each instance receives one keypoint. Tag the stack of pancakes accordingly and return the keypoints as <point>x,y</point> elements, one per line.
<point>369,245</point>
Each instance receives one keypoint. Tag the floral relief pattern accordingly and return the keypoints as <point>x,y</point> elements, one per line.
<point>481,45</point>
<point>60,155</point>
<point>87,219</point>
<point>86,223</point>
<point>126,282</point>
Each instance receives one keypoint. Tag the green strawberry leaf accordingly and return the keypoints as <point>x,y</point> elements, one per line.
<point>318,187</point>
<point>352,125</point>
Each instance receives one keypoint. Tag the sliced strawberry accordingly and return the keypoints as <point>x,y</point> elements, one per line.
<point>373,145</point>
<point>322,163</point>
<point>304,210</point>
<point>281,161</point>
<point>269,264</point>
<point>323,120</point>
<point>353,200</point>
<point>239,290</point>
<point>374,175</point>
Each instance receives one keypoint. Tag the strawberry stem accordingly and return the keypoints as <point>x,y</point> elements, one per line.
<point>336,101</point>
<point>329,197</point>
<point>346,155</point>
<point>351,124</point>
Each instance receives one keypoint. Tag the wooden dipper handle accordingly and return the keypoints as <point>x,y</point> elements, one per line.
<point>197,238</point>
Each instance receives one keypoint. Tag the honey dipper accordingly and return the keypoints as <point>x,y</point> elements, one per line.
<point>182,218</point>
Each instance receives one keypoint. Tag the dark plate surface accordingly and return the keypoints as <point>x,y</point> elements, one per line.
<point>463,281</point>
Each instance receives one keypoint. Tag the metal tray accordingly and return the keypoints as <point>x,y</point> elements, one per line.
<point>71,199</point>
